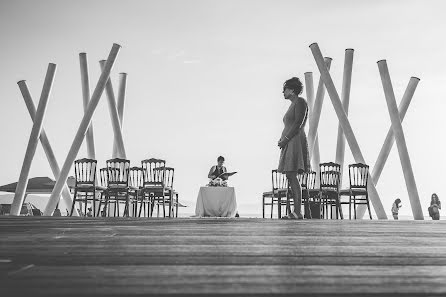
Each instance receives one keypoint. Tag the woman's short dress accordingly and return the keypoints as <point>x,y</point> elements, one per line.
<point>295,156</point>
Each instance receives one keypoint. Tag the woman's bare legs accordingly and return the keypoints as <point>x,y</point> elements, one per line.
<point>297,191</point>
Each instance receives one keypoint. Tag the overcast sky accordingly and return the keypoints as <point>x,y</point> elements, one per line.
<point>205,79</point>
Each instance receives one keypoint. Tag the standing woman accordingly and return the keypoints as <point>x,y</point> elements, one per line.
<point>294,156</point>
<point>395,208</point>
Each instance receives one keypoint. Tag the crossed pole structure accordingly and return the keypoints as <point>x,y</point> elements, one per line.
<point>345,129</point>
<point>37,132</point>
<point>85,129</point>
<point>117,152</point>
<point>390,140</point>
<point>82,130</point>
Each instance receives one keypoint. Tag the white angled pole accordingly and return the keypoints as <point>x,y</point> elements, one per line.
<point>32,143</point>
<point>345,124</point>
<point>45,143</point>
<point>345,98</point>
<point>77,142</point>
<point>85,81</point>
<point>388,143</point>
<point>315,158</point>
<point>114,117</point>
<point>316,114</point>
<point>400,141</point>
<point>120,105</point>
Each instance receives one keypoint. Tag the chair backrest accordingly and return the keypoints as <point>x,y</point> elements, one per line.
<point>279,180</point>
<point>168,176</point>
<point>152,177</point>
<point>302,177</point>
<point>118,172</point>
<point>330,176</point>
<point>85,172</point>
<point>135,177</point>
<point>311,180</point>
<point>103,177</point>
<point>358,174</point>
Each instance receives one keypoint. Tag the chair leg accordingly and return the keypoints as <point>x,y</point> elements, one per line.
<point>127,204</point>
<point>354,205</point>
<point>272,206</point>
<point>99,206</point>
<point>368,205</point>
<point>74,202</point>
<point>170,204</point>
<point>177,206</point>
<point>85,206</point>
<point>279,207</point>
<point>151,206</point>
<point>107,204</point>
<point>115,207</point>
<point>164,206</point>
<point>349,207</point>
<point>338,202</point>
<point>141,204</point>
<point>94,202</point>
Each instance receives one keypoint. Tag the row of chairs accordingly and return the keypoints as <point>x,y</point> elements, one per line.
<point>147,186</point>
<point>324,197</point>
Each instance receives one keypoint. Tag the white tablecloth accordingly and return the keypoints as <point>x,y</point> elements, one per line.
<point>216,202</point>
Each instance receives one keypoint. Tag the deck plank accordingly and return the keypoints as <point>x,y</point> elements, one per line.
<point>109,256</point>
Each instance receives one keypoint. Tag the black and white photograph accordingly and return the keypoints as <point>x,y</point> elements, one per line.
<point>222,148</point>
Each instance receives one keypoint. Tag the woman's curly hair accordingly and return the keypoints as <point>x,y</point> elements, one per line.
<point>294,84</point>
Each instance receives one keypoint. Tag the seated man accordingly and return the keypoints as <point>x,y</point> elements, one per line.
<point>218,169</point>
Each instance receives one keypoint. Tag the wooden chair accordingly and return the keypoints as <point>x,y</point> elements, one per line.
<point>118,183</point>
<point>153,184</point>
<point>330,179</point>
<point>358,174</point>
<point>279,191</point>
<point>169,192</point>
<point>314,203</point>
<point>85,183</point>
<point>103,188</point>
<point>135,186</point>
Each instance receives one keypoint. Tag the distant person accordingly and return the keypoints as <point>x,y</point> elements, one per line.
<point>57,213</point>
<point>89,213</point>
<point>218,169</point>
<point>434,208</point>
<point>396,207</point>
<point>294,156</point>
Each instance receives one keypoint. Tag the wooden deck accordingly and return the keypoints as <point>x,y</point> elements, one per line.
<point>73,256</point>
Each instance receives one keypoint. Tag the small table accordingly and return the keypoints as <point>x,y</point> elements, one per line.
<point>216,202</point>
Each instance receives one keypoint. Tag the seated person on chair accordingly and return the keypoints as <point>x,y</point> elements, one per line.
<point>218,169</point>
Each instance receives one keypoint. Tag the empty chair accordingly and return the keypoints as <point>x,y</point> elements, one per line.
<point>85,184</point>
<point>118,183</point>
<point>103,188</point>
<point>330,179</point>
<point>358,175</point>
<point>312,196</point>
<point>135,185</point>
<point>170,198</point>
<point>279,191</point>
<point>153,184</point>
